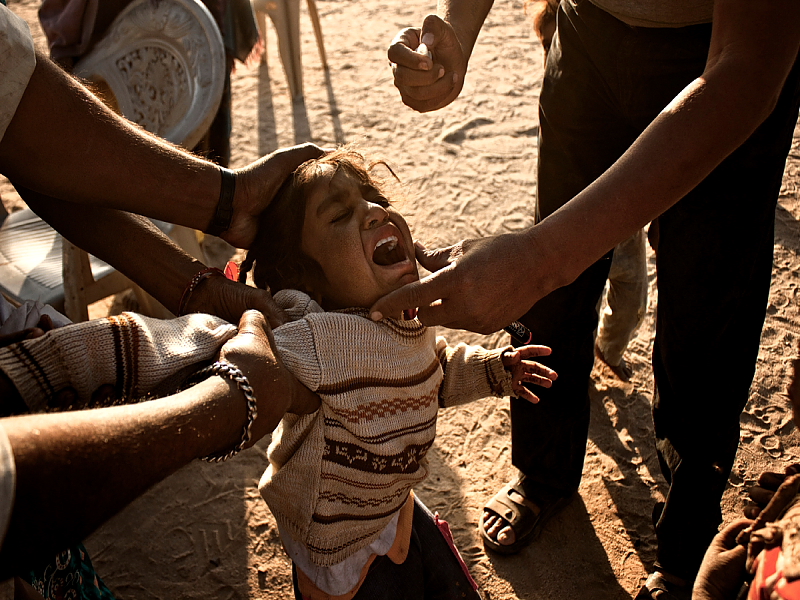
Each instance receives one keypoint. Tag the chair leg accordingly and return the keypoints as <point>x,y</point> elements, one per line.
<point>285,15</point>
<point>314,14</point>
<point>261,20</point>
<point>77,274</point>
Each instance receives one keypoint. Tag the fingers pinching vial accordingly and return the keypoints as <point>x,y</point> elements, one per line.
<point>426,85</point>
<point>423,50</point>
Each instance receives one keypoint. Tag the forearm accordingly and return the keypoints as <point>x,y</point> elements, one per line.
<point>471,373</point>
<point>75,470</point>
<point>147,256</point>
<point>705,123</point>
<point>466,17</point>
<point>63,142</point>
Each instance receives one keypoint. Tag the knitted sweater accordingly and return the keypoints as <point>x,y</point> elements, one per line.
<point>134,353</point>
<point>337,476</point>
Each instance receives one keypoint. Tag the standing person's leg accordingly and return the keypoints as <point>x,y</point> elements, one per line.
<point>604,83</point>
<point>626,303</point>
<point>581,134</point>
<point>714,258</point>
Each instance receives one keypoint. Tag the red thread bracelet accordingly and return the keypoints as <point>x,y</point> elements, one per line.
<point>193,283</point>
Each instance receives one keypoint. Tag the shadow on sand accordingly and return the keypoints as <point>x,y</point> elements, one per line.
<point>268,125</point>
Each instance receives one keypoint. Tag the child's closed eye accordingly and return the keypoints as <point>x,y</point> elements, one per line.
<point>341,215</point>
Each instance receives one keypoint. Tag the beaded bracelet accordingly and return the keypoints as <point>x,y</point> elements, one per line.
<point>223,215</point>
<point>229,371</point>
<point>192,285</point>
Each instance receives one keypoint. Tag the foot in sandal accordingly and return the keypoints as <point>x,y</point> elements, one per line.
<point>513,517</point>
<point>663,586</point>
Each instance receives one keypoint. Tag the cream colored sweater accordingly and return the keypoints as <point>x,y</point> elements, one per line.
<point>337,476</point>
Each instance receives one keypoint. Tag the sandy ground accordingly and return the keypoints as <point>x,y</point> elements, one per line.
<point>469,171</point>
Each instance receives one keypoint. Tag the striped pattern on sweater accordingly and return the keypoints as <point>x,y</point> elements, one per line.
<point>338,476</point>
<point>133,353</point>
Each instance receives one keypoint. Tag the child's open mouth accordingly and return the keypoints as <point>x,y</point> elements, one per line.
<point>388,251</point>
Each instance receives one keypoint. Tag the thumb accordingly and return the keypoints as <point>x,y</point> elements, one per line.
<point>432,260</point>
<point>438,35</point>
<point>394,303</point>
<point>253,322</point>
<point>419,294</point>
<point>727,537</point>
<point>433,28</point>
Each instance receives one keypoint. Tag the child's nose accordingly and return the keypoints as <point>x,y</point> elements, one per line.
<point>376,216</point>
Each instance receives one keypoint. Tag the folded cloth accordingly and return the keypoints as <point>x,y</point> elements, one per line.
<point>133,353</point>
<point>27,315</point>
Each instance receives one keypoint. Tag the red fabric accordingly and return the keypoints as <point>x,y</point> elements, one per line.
<point>232,271</point>
<point>448,536</point>
<point>769,582</point>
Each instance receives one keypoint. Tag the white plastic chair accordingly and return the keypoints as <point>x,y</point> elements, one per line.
<point>161,65</point>
<point>164,63</point>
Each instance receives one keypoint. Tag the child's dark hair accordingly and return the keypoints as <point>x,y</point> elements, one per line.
<point>276,258</point>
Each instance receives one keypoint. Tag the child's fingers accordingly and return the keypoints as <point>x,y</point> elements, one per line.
<point>539,369</point>
<point>537,380</point>
<point>532,351</point>
<point>522,392</point>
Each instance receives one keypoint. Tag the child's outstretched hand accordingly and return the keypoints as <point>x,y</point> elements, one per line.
<point>527,371</point>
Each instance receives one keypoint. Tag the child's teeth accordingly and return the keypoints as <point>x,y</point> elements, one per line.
<point>390,240</point>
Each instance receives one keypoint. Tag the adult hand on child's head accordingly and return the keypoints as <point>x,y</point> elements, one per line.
<point>277,391</point>
<point>722,571</point>
<point>256,186</point>
<point>527,371</point>
<point>229,299</point>
<point>426,83</point>
<point>480,285</point>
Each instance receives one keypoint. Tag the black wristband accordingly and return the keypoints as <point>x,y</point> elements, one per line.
<point>224,213</point>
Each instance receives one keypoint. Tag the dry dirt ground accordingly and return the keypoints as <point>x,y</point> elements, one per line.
<point>469,171</point>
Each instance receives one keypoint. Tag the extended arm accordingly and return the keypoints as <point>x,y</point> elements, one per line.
<point>77,469</point>
<point>485,284</point>
<point>64,143</point>
<point>753,48</point>
<point>149,258</point>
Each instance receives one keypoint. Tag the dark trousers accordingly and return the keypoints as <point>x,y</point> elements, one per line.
<point>604,83</point>
<point>430,572</point>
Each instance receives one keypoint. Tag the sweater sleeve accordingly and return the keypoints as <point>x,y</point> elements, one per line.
<point>471,373</point>
<point>132,352</point>
<point>295,339</point>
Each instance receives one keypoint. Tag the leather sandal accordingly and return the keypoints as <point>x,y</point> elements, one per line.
<point>658,587</point>
<point>525,516</point>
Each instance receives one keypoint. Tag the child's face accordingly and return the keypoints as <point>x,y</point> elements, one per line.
<point>363,245</point>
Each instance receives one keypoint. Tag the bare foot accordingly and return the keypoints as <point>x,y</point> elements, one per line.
<point>498,528</point>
